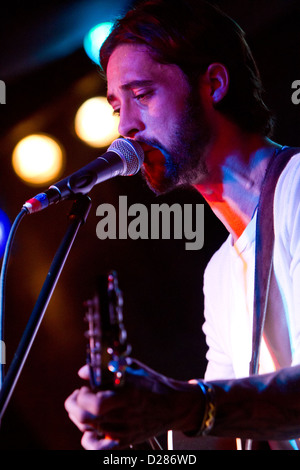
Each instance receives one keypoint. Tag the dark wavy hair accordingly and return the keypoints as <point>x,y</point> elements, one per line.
<point>192,34</point>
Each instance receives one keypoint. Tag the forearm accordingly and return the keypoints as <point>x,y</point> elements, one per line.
<point>259,407</point>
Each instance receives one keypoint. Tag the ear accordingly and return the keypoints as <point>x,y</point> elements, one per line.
<point>217,77</point>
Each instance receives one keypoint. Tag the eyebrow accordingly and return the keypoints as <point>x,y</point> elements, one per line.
<point>129,86</point>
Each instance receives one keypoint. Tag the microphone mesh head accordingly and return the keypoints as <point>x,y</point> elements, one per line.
<point>131,154</point>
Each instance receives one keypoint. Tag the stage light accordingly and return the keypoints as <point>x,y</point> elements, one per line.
<point>38,159</point>
<point>95,123</point>
<point>4,231</point>
<point>94,40</point>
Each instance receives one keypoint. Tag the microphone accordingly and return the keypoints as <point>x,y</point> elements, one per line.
<point>124,157</point>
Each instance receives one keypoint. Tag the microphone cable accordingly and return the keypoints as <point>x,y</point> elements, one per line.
<point>3,276</point>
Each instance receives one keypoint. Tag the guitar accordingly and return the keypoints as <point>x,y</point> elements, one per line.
<point>107,347</point>
<point>107,350</point>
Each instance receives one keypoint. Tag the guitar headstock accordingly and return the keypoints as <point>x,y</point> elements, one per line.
<point>107,347</point>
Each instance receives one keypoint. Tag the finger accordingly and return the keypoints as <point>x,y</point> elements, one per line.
<point>98,403</point>
<point>81,426</point>
<point>84,372</point>
<point>70,406</point>
<point>71,401</point>
<point>90,441</point>
<point>77,413</point>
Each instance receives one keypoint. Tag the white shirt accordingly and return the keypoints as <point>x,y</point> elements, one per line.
<point>229,290</point>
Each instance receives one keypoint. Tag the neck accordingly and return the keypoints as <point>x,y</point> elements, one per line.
<point>236,167</point>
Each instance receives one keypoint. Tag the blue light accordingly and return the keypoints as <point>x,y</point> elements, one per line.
<point>4,231</point>
<point>94,40</point>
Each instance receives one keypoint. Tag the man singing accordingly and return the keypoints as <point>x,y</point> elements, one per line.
<point>182,79</point>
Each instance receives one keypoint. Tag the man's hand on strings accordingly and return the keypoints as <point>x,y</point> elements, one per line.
<point>147,405</point>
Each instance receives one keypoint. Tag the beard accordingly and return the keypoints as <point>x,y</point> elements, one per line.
<point>184,161</point>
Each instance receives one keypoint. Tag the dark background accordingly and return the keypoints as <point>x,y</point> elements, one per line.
<point>47,76</point>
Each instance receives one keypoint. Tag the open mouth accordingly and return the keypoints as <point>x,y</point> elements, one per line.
<point>152,155</point>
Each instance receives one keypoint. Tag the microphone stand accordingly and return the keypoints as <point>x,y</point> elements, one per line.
<point>77,217</point>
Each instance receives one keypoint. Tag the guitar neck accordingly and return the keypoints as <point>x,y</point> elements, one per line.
<point>107,347</point>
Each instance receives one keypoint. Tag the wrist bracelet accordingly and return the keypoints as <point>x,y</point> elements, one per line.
<point>209,410</point>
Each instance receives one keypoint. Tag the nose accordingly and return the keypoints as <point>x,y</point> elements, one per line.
<point>130,123</point>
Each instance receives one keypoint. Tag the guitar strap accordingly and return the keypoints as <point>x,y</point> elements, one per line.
<point>264,249</point>
<point>264,253</point>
